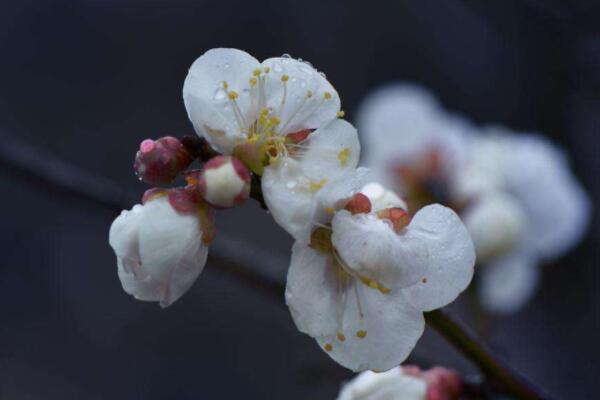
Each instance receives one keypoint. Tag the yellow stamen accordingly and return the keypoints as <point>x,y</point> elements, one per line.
<point>341,336</point>
<point>328,347</point>
<point>256,72</point>
<point>341,114</point>
<point>330,210</point>
<point>327,95</point>
<point>361,334</point>
<point>309,94</point>
<point>316,186</point>
<point>225,85</point>
<point>343,156</point>
<point>253,81</point>
<point>284,78</point>
<point>232,95</point>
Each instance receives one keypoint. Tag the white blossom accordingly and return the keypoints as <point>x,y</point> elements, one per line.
<point>160,251</point>
<point>360,286</point>
<point>231,97</point>
<point>519,200</point>
<point>280,118</point>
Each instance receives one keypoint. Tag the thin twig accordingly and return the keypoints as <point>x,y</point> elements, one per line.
<point>230,254</point>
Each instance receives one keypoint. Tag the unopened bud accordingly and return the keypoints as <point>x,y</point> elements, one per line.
<point>224,182</point>
<point>158,162</point>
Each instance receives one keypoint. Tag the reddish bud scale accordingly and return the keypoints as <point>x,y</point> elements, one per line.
<point>185,200</point>
<point>153,193</point>
<point>158,162</point>
<point>359,204</point>
<point>397,216</point>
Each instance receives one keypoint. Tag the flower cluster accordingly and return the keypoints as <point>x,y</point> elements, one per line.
<point>363,270</point>
<point>514,192</point>
<point>407,383</point>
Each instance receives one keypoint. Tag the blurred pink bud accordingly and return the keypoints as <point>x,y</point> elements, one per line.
<point>158,162</point>
<point>442,383</point>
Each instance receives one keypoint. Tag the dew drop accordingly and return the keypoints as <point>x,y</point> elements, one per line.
<point>220,94</point>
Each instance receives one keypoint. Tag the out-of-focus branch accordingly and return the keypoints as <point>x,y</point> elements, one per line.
<point>231,255</point>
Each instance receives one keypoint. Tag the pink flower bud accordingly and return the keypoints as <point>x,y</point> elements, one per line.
<point>158,162</point>
<point>224,182</point>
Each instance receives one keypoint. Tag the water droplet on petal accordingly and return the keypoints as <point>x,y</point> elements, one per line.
<point>220,94</point>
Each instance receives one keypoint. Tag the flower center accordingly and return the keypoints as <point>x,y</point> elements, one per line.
<point>265,130</point>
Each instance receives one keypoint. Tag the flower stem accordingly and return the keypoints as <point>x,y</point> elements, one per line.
<point>499,375</point>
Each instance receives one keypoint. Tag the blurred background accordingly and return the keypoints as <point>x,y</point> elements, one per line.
<point>86,81</point>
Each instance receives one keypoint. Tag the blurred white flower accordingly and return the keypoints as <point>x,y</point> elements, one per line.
<point>361,285</point>
<point>547,214</point>
<point>518,198</point>
<point>409,138</point>
<point>231,98</point>
<point>404,383</point>
<point>160,251</point>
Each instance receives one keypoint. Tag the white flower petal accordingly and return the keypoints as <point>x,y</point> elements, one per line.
<point>171,248</point>
<point>451,257</point>
<point>206,101</point>
<point>557,206</point>
<point>123,236</point>
<point>496,223</point>
<point>371,248</point>
<point>392,327</point>
<point>310,292</point>
<point>143,288</point>
<point>331,151</point>
<point>389,385</point>
<point>508,283</point>
<point>299,111</point>
<point>287,194</point>
<point>159,251</point>
<point>401,123</point>
<point>381,198</point>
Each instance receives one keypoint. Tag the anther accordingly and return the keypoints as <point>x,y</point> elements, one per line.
<point>284,78</point>
<point>341,336</point>
<point>328,347</point>
<point>327,95</point>
<point>225,85</point>
<point>267,70</point>
<point>253,81</point>
<point>309,94</point>
<point>232,95</point>
<point>361,334</point>
<point>256,72</point>
<point>341,114</point>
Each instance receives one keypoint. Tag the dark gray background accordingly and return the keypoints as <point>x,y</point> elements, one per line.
<point>87,80</point>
